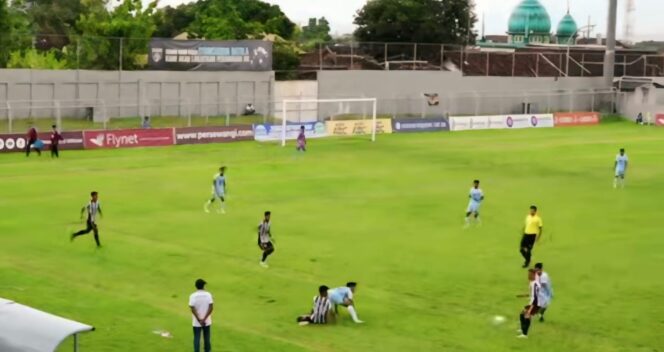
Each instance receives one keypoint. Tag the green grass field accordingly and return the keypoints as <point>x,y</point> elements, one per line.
<point>388,215</point>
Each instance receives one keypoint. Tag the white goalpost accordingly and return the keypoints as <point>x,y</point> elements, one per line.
<point>323,111</point>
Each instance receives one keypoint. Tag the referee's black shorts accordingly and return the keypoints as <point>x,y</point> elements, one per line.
<point>528,240</point>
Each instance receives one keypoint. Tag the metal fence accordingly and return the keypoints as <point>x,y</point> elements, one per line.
<point>115,53</point>
<point>97,114</point>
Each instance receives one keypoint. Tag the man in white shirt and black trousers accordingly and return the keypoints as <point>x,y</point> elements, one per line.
<point>201,305</point>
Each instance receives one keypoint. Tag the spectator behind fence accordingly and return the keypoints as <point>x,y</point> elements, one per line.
<point>56,137</point>
<point>146,122</point>
<point>200,304</point>
<point>639,119</point>
<point>249,109</point>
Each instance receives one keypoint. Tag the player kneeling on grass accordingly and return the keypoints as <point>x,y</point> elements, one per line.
<point>321,313</point>
<point>533,304</point>
<point>344,296</point>
<point>218,191</point>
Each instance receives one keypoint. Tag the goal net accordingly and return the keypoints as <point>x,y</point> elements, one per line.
<point>330,117</point>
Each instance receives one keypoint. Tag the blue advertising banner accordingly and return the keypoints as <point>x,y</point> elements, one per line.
<point>420,125</point>
<point>269,132</point>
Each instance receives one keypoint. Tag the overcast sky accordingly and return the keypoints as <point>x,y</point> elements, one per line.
<point>648,22</point>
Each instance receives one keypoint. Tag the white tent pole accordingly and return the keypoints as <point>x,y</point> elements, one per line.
<point>75,342</point>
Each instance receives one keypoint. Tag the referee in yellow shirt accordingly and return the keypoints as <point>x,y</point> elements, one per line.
<point>531,234</point>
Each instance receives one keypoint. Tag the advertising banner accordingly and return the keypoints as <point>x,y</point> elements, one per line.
<point>128,138</point>
<point>465,123</point>
<point>563,119</point>
<point>15,142</point>
<point>659,119</point>
<point>269,132</point>
<point>202,135</point>
<point>210,55</point>
<point>358,127</point>
<point>462,123</point>
<point>420,125</point>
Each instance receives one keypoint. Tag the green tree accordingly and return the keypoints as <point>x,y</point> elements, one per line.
<point>317,31</point>
<point>33,58</point>
<point>108,38</point>
<point>417,21</point>
<point>54,21</point>
<point>15,32</point>
<point>172,21</point>
<point>239,19</point>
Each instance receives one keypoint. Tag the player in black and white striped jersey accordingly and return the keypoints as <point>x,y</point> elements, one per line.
<point>533,306</point>
<point>265,238</point>
<point>321,313</point>
<point>92,209</point>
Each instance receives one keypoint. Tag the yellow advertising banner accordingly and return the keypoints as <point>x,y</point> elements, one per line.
<point>357,127</point>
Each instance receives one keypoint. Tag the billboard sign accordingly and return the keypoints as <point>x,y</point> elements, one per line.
<point>15,142</point>
<point>128,138</point>
<point>203,135</point>
<point>269,132</point>
<point>358,127</point>
<point>564,119</point>
<point>463,123</point>
<point>659,119</point>
<point>210,55</point>
<point>420,125</point>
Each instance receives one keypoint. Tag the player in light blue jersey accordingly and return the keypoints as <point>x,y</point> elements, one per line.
<point>476,197</point>
<point>620,166</point>
<point>344,296</point>
<point>218,191</point>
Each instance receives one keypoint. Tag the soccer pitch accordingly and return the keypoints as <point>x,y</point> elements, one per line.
<point>388,215</point>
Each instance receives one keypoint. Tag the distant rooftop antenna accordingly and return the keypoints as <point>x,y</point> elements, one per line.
<point>483,22</point>
<point>630,10</point>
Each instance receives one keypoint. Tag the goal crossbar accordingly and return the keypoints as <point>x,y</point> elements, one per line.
<point>286,102</point>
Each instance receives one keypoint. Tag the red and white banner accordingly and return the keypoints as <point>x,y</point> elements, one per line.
<point>564,119</point>
<point>201,135</point>
<point>659,119</point>
<point>128,138</point>
<point>462,123</point>
<point>15,142</point>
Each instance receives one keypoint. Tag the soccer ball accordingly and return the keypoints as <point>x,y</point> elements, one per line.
<point>498,319</point>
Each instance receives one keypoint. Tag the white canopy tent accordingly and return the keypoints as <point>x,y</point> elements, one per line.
<point>25,329</point>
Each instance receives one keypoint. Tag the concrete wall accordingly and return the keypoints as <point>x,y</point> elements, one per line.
<point>401,92</point>
<point>296,90</point>
<point>647,100</point>
<point>133,93</point>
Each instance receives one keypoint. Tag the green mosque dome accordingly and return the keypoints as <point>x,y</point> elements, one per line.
<point>567,28</point>
<point>532,16</point>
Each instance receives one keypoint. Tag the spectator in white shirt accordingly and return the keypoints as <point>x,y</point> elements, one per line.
<point>200,303</point>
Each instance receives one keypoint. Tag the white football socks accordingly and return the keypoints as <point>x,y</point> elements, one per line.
<point>353,314</point>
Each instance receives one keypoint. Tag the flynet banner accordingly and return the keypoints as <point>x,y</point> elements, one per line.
<point>210,55</point>
<point>463,123</point>
<point>128,138</point>
<point>14,142</point>
<point>420,125</point>
<point>269,132</point>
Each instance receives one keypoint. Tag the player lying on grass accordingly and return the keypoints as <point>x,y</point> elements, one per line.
<point>476,197</point>
<point>344,296</point>
<point>533,304</point>
<point>218,191</point>
<point>92,208</point>
<point>265,239</point>
<point>620,166</point>
<point>322,312</point>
